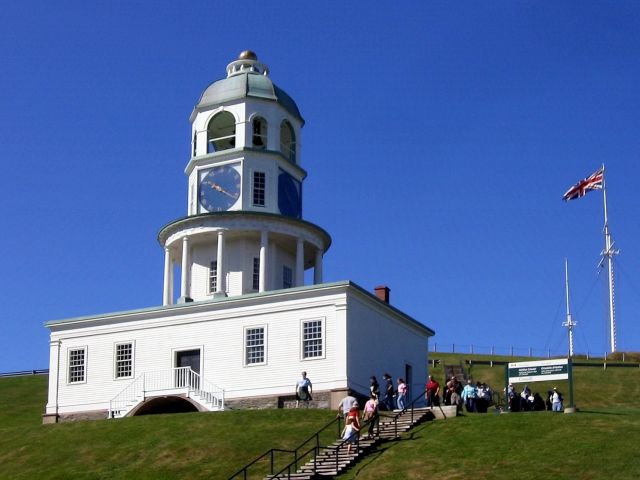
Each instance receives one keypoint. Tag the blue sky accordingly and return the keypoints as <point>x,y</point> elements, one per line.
<point>439,140</point>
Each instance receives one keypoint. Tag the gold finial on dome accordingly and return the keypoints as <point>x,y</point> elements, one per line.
<point>247,55</point>
<point>247,63</point>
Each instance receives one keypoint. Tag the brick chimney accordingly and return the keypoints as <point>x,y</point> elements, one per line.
<point>382,292</point>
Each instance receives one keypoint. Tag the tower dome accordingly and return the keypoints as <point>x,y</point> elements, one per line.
<point>246,77</point>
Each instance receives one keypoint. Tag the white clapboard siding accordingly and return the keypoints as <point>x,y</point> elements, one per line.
<point>362,337</point>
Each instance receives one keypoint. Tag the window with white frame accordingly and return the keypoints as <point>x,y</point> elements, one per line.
<point>259,182</point>
<point>77,364</point>
<point>213,276</point>
<point>256,273</point>
<point>124,360</point>
<point>312,339</point>
<point>254,347</point>
<point>287,277</point>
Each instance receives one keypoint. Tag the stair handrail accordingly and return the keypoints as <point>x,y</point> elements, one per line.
<point>315,436</point>
<point>411,405</point>
<point>132,390</point>
<point>203,387</point>
<point>270,452</point>
<point>342,443</point>
<point>316,448</point>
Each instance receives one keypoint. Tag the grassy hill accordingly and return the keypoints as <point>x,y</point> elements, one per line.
<point>598,442</point>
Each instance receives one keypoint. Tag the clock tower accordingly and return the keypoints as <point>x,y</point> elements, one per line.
<point>244,231</point>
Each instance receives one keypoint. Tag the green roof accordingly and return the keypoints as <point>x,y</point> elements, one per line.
<point>250,84</point>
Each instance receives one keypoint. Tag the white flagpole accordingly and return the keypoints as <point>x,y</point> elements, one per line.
<point>569,323</point>
<point>608,253</point>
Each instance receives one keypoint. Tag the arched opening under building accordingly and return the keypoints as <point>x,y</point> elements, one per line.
<point>168,404</point>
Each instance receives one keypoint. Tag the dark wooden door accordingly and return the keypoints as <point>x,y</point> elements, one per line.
<point>187,358</point>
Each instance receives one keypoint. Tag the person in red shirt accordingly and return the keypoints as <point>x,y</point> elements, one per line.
<point>433,392</point>
<point>354,414</point>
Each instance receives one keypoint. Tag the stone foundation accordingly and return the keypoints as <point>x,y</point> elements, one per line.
<point>320,400</point>
<point>75,417</point>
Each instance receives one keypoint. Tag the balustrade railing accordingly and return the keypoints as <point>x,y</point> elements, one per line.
<point>174,380</point>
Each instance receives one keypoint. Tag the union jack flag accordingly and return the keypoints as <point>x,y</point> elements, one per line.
<point>593,182</point>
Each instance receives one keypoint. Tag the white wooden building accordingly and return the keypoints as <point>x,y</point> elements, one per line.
<point>243,325</point>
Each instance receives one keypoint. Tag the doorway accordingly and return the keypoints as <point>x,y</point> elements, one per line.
<point>187,358</point>
<point>408,377</point>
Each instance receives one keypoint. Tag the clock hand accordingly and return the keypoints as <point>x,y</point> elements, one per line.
<point>217,187</point>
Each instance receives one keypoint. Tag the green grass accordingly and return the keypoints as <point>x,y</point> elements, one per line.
<point>582,446</point>
<point>598,442</point>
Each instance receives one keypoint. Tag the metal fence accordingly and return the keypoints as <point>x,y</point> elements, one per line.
<point>44,371</point>
<point>515,351</point>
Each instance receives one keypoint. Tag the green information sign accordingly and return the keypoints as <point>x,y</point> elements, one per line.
<point>538,371</point>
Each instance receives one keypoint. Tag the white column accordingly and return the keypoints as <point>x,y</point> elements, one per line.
<point>264,245</point>
<point>299,263</point>
<point>220,273</point>
<point>184,284</point>
<point>317,271</point>
<point>54,378</point>
<point>167,298</point>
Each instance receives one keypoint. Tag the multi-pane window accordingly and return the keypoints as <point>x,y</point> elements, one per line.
<point>312,341</point>
<point>256,273</point>
<point>258,188</point>
<point>77,364</point>
<point>124,360</point>
<point>213,276</point>
<point>287,277</point>
<point>254,345</point>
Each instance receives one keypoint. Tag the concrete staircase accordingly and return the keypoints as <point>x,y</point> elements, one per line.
<point>334,460</point>
<point>457,371</point>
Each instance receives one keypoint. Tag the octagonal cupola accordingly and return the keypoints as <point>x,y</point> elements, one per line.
<point>248,124</point>
<point>244,231</point>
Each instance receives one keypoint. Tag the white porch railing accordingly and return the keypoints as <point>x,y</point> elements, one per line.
<point>174,381</point>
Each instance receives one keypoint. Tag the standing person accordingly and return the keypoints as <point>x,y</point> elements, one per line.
<point>350,433</point>
<point>402,394</point>
<point>482,401</point>
<point>548,403</point>
<point>469,394</point>
<point>303,390</point>
<point>389,392</point>
<point>556,400</point>
<point>374,387</point>
<point>433,392</point>
<point>346,404</point>
<point>453,391</point>
<point>370,414</point>
<point>513,398</point>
